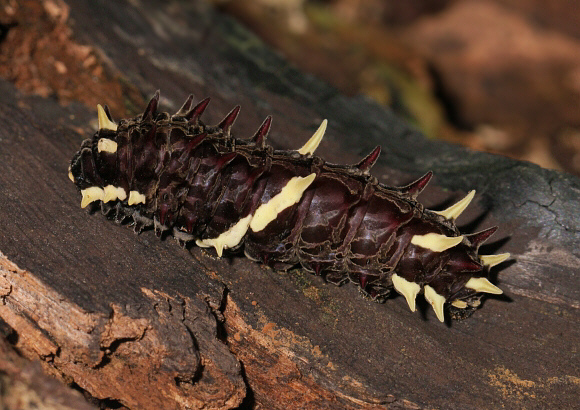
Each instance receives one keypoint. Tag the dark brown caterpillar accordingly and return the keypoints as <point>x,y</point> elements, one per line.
<point>283,208</point>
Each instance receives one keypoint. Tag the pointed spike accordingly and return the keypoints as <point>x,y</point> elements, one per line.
<point>163,211</point>
<point>113,193</point>
<point>454,211</point>
<point>158,231</point>
<point>195,113</point>
<point>304,182</point>
<point>121,194</point>
<point>186,106</point>
<point>317,268</point>
<point>471,266</point>
<point>408,289</point>
<point>492,260</point>
<point>135,198</point>
<point>228,121</point>
<point>108,112</point>
<point>194,142</point>
<point>189,223</point>
<point>110,193</point>
<point>362,280</point>
<point>225,159</point>
<point>367,163</point>
<point>104,122</point>
<point>436,242</point>
<point>483,285</point>
<point>415,188</point>
<point>228,239</point>
<point>314,141</point>
<point>478,238</point>
<point>463,263</point>
<point>91,194</point>
<point>262,132</point>
<point>151,110</point>
<point>436,300</point>
<point>460,304</point>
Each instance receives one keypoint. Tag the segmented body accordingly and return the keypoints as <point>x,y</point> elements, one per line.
<point>283,208</point>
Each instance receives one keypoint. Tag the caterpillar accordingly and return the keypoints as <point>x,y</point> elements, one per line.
<point>282,208</point>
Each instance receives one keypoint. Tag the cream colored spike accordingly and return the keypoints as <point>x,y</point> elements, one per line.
<point>436,300</point>
<point>104,122</point>
<point>492,260</point>
<point>288,196</point>
<point>135,198</point>
<point>436,242</point>
<point>454,211</point>
<point>408,289</point>
<point>91,194</point>
<point>483,285</point>
<point>228,239</point>
<point>461,304</point>
<point>314,141</point>
<point>70,175</point>
<point>106,145</point>
<point>113,193</point>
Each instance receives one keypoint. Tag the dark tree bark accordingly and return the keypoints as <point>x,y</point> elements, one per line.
<point>145,324</point>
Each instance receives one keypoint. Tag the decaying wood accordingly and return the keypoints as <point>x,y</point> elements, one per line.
<point>142,323</point>
<point>129,353</point>
<point>24,385</point>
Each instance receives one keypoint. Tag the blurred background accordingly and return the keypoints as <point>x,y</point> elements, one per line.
<point>501,76</point>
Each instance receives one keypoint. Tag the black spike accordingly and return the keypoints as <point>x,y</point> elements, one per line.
<point>362,280</point>
<point>225,159</point>
<point>463,263</point>
<point>151,110</point>
<point>476,239</point>
<point>260,136</point>
<point>317,267</point>
<point>186,106</point>
<point>415,188</point>
<point>193,142</point>
<point>196,112</point>
<point>106,109</point>
<point>228,121</point>
<point>367,163</point>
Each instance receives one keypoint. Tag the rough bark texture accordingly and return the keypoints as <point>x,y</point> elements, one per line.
<point>142,323</point>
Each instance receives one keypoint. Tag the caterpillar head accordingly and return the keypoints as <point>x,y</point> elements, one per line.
<point>445,266</point>
<point>462,279</point>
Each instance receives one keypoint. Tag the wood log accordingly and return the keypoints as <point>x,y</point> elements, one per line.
<point>142,323</point>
